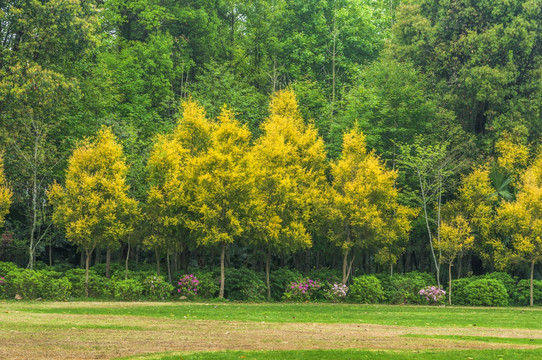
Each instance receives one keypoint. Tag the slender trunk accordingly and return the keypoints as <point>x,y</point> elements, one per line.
<point>345,266</point>
<point>50,254</point>
<point>424,202</point>
<point>450,283</point>
<point>168,258</point>
<point>32,247</point>
<point>531,289</point>
<point>87,265</point>
<point>222,256</point>
<point>157,262</point>
<point>126,263</point>
<point>391,269</point>
<point>108,263</point>
<point>267,266</point>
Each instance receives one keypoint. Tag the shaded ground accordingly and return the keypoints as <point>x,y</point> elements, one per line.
<point>27,335</point>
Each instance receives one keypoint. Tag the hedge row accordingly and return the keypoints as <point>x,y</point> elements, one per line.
<point>495,289</point>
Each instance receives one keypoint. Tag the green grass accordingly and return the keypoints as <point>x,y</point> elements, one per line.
<point>348,354</point>
<point>486,339</point>
<point>425,316</point>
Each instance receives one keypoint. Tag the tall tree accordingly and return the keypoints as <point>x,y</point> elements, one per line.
<point>288,162</point>
<point>221,188</point>
<point>522,220</point>
<point>364,204</point>
<point>94,206</point>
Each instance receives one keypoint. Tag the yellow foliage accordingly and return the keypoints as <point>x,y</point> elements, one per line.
<point>5,194</point>
<point>512,156</point>
<point>94,206</point>
<point>455,239</point>
<point>364,202</point>
<point>288,163</point>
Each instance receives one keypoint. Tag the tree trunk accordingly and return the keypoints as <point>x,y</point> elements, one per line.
<point>126,263</point>
<point>531,289</point>
<point>50,254</point>
<point>450,283</point>
<point>87,265</point>
<point>222,256</point>
<point>157,262</point>
<point>267,266</point>
<point>345,265</point>
<point>108,262</point>
<point>168,261</point>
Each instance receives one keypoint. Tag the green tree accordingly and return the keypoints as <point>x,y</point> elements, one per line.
<point>94,206</point>
<point>5,194</point>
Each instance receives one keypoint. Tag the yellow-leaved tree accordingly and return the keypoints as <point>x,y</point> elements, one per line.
<point>5,194</point>
<point>288,164</point>
<point>170,190</point>
<point>220,186</point>
<point>94,207</point>
<point>455,240</point>
<point>522,219</point>
<point>364,207</point>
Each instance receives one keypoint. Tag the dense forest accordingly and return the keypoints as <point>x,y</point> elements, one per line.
<point>360,135</point>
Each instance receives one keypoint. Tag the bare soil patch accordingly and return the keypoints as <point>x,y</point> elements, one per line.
<point>62,336</point>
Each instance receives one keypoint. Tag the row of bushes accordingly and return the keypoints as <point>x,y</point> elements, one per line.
<point>495,289</point>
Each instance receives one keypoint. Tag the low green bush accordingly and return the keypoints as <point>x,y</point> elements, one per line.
<point>405,288</point>
<point>366,289</point>
<point>33,284</point>
<point>459,290</point>
<point>279,281</point>
<point>157,288</point>
<point>208,284</point>
<point>487,292</point>
<point>506,279</point>
<point>98,286</point>
<point>302,290</point>
<point>126,290</point>
<point>522,292</point>
<point>244,284</point>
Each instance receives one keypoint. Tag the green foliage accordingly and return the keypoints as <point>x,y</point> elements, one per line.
<point>487,292</point>
<point>404,288</point>
<point>6,267</point>
<point>33,284</point>
<point>208,284</point>
<point>521,294</point>
<point>98,286</point>
<point>157,288</point>
<point>126,290</point>
<point>366,289</point>
<point>460,290</point>
<point>303,290</point>
<point>510,283</point>
<point>244,284</point>
<point>280,279</point>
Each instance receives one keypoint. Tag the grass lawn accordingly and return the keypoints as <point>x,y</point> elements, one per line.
<point>106,330</point>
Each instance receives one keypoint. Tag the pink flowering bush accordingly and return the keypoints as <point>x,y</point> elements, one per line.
<point>188,286</point>
<point>302,290</point>
<point>336,292</point>
<point>432,294</point>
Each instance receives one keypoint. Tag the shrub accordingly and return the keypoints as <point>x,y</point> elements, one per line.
<point>188,286</point>
<point>324,275</point>
<point>521,295</point>
<point>302,290</point>
<point>26,283</point>
<point>506,279</point>
<point>244,284</point>
<point>336,292</point>
<point>6,267</point>
<point>157,288</point>
<point>404,288</point>
<point>208,284</point>
<point>2,287</point>
<point>432,294</point>
<point>459,290</point>
<point>487,292</point>
<point>280,279</point>
<point>126,290</point>
<point>57,289</point>
<point>98,286</point>
<point>366,289</point>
